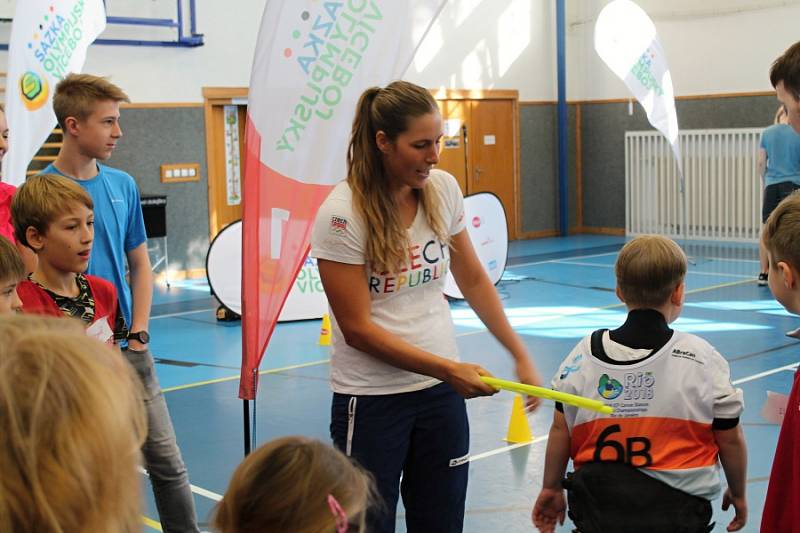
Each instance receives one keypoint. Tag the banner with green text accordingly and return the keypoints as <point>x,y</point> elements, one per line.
<point>625,38</point>
<point>49,40</point>
<point>313,60</point>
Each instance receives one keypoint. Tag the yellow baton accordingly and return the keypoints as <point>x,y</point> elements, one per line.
<point>541,392</point>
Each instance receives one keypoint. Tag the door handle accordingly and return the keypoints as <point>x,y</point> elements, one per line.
<point>478,171</point>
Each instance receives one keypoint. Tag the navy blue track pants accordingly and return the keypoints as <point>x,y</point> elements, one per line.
<point>423,435</point>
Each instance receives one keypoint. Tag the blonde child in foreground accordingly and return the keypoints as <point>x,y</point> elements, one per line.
<point>652,465</point>
<point>71,424</point>
<point>295,484</point>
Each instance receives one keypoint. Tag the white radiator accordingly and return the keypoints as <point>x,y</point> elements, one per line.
<point>723,189</point>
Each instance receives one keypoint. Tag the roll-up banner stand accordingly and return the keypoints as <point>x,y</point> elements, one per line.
<point>488,231</point>
<point>306,299</point>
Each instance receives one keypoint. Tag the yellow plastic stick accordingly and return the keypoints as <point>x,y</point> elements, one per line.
<point>541,392</point>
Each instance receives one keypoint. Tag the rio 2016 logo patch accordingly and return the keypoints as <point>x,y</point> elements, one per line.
<point>609,388</point>
<point>33,90</point>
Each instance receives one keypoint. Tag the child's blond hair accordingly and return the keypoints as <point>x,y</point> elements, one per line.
<point>77,94</point>
<point>72,422</point>
<point>41,199</point>
<point>11,267</point>
<point>285,485</point>
<point>781,234</point>
<point>649,268</point>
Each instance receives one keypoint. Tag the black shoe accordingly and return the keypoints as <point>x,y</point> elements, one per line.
<point>762,279</point>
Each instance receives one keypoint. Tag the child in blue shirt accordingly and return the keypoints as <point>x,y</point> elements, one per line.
<point>87,109</point>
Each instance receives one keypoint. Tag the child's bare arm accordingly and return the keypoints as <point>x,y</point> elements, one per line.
<point>761,164</point>
<point>141,291</point>
<point>557,455</point>
<point>733,456</point>
<point>550,506</point>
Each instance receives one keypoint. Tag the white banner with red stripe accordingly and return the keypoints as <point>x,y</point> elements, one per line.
<point>312,61</point>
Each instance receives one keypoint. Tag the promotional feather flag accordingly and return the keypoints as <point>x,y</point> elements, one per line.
<point>313,60</point>
<point>49,39</point>
<point>626,40</point>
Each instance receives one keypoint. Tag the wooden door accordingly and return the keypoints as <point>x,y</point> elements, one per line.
<point>453,155</point>
<point>222,210</point>
<point>492,141</point>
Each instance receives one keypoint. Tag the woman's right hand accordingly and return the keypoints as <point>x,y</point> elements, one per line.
<point>465,378</point>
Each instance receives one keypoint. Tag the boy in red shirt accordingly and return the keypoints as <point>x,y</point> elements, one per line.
<point>782,506</point>
<point>53,216</point>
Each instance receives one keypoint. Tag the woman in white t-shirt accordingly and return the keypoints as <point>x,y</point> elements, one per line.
<point>385,239</point>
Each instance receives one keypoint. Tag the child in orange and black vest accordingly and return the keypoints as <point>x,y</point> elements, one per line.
<point>652,465</point>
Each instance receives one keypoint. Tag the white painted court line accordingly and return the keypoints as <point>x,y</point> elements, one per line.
<point>722,274</point>
<point>511,267</point>
<point>728,260</point>
<point>197,490</point>
<point>200,491</point>
<point>505,449</point>
<point>700,272</point>
<point>789,367</point>
<point>580,263</point>
<point>170,315</point>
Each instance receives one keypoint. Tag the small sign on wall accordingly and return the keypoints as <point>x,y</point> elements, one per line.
<point>180,172</point>
<point>488,140</point>
<point>233,174</point>
<point>452,127</point>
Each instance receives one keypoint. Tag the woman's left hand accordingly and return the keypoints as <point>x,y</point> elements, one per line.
<point>527,373</point>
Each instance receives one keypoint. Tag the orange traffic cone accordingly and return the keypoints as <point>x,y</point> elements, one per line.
<point>325,331</point>
<point>518,429</point>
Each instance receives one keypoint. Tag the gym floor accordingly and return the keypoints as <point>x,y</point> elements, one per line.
<point>554,290</point>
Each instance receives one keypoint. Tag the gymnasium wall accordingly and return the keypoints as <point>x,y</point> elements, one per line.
<point>491,44</point>
<point>602,154</point>
<point>151,137</point>
<point>539,168</point>
<point>603,127</point>
<point>714,47</point>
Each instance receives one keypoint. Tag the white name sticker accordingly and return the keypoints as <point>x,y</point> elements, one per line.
<point>100,330</point>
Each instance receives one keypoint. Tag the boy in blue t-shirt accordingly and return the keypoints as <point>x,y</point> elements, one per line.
<point>87,109</point>
<point>779,168</point>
